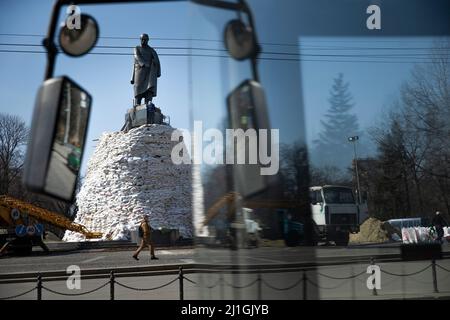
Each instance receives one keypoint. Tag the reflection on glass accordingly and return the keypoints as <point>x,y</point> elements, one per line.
<point>68,142</point>
<point>244,219</point>
<point>338,195</point>
<point>247,110</point>
<point>353,113</point>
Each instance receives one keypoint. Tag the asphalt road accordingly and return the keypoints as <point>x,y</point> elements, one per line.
<point>211,286</point>
<point>90,259</point>
<point>324,282</point>
<point>107,258</point>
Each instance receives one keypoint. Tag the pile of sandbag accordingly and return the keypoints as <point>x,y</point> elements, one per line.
<point>421,234</point>
<point>375,231</point>
<point>130,175</point>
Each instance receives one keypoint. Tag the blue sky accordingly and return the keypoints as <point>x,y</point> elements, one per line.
<point>107,78</point>
<point>297,92</point>
<point>373,85</point>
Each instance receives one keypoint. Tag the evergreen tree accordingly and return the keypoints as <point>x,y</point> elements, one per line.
<point>332,146</point>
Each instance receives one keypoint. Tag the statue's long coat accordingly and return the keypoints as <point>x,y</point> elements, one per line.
<point>146,70</point>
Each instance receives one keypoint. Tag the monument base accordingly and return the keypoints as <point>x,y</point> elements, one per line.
<point>144,114</point>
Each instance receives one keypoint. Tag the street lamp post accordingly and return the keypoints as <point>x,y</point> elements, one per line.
<point>354,140</point>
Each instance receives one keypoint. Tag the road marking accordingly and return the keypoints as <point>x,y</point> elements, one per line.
<point>176,252</point>
<point>187,260</point>
<point>93,259</point>
<point>165,252</point>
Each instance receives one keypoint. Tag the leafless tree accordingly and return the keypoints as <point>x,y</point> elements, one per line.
<point>13,138</point>
<point>294,169</point>
<point>426,112</point>
<point>414,142</point>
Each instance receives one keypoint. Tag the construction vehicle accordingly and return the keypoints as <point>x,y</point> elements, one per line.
<point>22,224</point>
<point>252,228</point>
<point>293,231</point>
<point>237,229</point>
<point>244,231</point>
<point>335,213</point>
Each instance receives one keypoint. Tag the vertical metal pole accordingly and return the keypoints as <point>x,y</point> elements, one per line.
<point>39,288</point>
<point>255,72</point>
<point>112,280</point>
<point>48,43</point>
<point>259,286</point>
<point>254,61</point>
<point>180,278</point>
<point>305,286</point>
<point>433,268</point>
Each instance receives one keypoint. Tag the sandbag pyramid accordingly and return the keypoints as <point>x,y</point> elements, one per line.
<point>131,174</point>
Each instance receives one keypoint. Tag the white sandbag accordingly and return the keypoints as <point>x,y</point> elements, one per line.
<point>412,235</point>
<point>405,236</point>
<point>132,174</point>
<point>423,234</point>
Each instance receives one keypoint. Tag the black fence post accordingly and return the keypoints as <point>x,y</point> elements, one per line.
<point>180,278</point>
<point>39,287</point>
<point>112,280</point>
<point>433,268</point>
<point>259,286</point>
<point>305,286</point>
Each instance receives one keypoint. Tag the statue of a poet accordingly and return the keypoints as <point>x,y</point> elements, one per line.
<point>146,71</point>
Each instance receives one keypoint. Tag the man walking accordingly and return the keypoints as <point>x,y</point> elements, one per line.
<point>145,232</point>
<point>439,223</point>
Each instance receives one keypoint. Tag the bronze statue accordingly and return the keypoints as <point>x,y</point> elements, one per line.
<point>146,71</point>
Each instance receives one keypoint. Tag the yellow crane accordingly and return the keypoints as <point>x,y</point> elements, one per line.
<point>13,213</point>
<point>230,198</point>
<point>7,204</point>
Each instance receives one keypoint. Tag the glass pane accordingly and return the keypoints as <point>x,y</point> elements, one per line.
<point>68,142</point>
<point>334,90</point>
<point>243,218</point>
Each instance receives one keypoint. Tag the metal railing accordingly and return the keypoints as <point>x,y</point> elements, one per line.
<point>259,281</point>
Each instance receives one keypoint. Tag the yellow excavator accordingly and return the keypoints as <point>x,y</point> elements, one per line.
<point>22,225</point>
